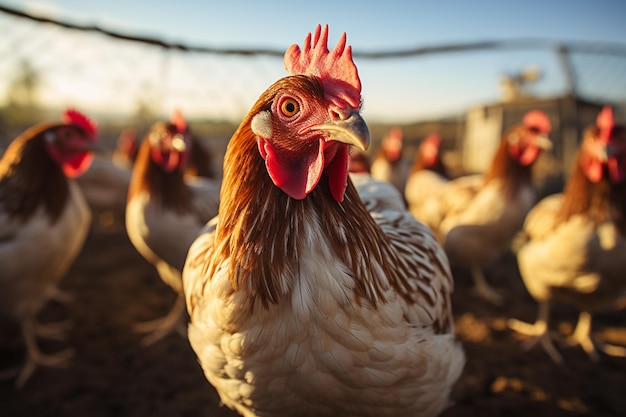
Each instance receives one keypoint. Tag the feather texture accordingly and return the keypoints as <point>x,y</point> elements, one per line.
<point>318,306</point>
<point>574,248</point>
<point>165,211</point>
<point>44,221</point>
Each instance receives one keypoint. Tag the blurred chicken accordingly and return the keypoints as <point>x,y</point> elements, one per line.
<point>165,211</point>
<point>388,163</point>
<point>126,149</point>
<point>358,162</point>
<point>105,186</point>
<point>427,181</point>
<point>44,221</point>
<point>479,215</point>
<point>200,160</point>
<point>305,300</point>
<point>575,248</point>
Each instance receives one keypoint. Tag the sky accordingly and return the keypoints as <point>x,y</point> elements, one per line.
<point>393,89</point>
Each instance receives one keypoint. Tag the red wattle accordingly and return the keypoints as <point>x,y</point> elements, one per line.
<point>337,171</point>
<point>529,155</point>
<point>593,170</point>
<point>617,172</point>
<point>296,178</point>
<point>75,165</point>
<point>167,161</point>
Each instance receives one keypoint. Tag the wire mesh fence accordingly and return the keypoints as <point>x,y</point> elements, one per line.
<point>128,79</point>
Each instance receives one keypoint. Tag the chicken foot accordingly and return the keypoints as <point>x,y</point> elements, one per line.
<point>55,331</point>
<point>538,333</point>
<point>582,336</point>
<point>56,294</point>
<point>482,288</point>
<point>35,357</point>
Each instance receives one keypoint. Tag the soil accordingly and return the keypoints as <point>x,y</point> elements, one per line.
<point>113,375</point>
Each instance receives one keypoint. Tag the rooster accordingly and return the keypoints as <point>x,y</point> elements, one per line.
<point>44,221</point>
<point>165,211</point>
<point>303,298</point>
<point>427,181</point>
<point>479,215</point>
<point>388,163</point>
<point>575,248</point>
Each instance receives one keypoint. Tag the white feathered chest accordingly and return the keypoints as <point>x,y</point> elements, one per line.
<point>320,350</point>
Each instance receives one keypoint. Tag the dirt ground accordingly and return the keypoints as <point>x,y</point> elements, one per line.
<point>112,375</point>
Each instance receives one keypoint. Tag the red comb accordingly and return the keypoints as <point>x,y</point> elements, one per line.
<point>605,123</point>
<point>179,121</point>
<point>73,116</point>
<point>433,139</point>
<point>335,68</point>
<point>538,120</point>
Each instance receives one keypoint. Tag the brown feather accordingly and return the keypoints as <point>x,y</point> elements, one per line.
<point>600,201</point>
<point>168,188</point>
<point>30,178</point>
<point>419,164</point>
<point>200,161</point>
<point>260,226</point>
<point>504,167</point>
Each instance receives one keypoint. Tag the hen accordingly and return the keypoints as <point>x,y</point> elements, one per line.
<point>44,221</point>
<point>575,249</point>
<point>388,163</point>
<point>301,301</point>
<point>105,186</point>
<point>479,215</point>
<point>427,181</point>
<point>165,211</point>
<point>125,150</point>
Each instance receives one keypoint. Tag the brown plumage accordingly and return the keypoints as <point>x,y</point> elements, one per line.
<point>427,181</point>
<point>200,160</point>
<point>575,242</point>
<point>389,163</point>
<point>44,221</point>
<point>309,295</point>
<point>24,188</point>
<point>478,216</point>
<point>165,211</point>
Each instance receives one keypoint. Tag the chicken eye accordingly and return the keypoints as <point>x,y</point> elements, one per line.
<point>289,107</point>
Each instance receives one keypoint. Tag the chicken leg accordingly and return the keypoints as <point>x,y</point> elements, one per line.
<point>482,288</point>
<point>30,330</point>
<point>159,328</point>
<point>538,332</point>
<point>582,336</point>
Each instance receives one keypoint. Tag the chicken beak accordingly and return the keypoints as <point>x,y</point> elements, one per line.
<point>351,130</point>
<point>543,142</point>
<point>178,143</point>
<point>604,152</point>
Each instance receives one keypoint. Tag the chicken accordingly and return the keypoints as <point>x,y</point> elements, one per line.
<point>105,186</point>
<point>575,248</point>
<point>479,215</point>
<point>165,211</point>
<point>427,181</point>
<point>358,162</point>
<point>200,160</point>
<point>301,301</point>
<point>388,163</point>
<point>125,150</point>
<point>44,221</point>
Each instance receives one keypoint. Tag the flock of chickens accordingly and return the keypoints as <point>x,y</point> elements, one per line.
<point>314,284</point>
